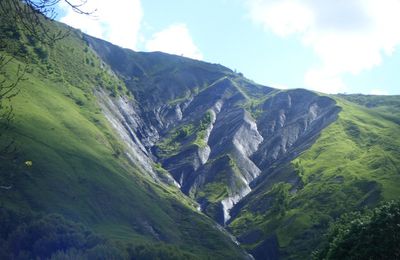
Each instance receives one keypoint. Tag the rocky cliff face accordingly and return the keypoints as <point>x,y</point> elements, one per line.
<point>291,121</point>
<point>218,135</point>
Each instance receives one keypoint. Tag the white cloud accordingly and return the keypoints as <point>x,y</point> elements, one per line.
<point>117,21</point>
<point>296,16</point>
<point>347,36</point>
<point>324,80</point>
<point>175,39</point>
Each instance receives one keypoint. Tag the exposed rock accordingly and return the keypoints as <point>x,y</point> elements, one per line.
<point>229,202</point>
<point>128,124</point>
<point>124,119</point>
<point>204,154</point>
<point>291,120</point>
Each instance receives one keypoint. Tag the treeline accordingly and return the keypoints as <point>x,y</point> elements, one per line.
<point>368,234</point>
<point>28,236</point>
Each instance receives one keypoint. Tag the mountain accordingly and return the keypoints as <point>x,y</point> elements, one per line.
<point>71,161</point>
<point>162,151</point>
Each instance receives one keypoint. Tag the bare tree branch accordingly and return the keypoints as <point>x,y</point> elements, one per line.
<point>29,16</point>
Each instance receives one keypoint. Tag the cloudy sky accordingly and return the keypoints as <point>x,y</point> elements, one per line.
<point>331,46</point>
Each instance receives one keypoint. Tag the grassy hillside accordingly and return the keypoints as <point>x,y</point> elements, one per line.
<point>386,106</point>
<point>354,163</point>
<point>68,161</point>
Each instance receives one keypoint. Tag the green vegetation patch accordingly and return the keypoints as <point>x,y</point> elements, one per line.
<point>184,136</point>
<point>367,234</point>
<point>214,192</point>
<point>172,144</point>
<point>205,123</point>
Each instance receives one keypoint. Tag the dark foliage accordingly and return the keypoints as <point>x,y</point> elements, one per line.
<point>371,234</point>
<point>28,236</point>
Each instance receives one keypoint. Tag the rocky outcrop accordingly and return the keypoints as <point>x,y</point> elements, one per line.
<point>125,121</point>
<point>137,136</point>
<point>232,132</point>
<point>291,121</point>
<point>238,136</point>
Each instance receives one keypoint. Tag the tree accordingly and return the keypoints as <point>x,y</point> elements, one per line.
<point>370,234</point>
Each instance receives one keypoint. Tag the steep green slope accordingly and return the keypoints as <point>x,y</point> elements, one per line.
<point>69,161</point>
<point>354,163</point>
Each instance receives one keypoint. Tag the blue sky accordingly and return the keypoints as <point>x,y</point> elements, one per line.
<point>331,46</point>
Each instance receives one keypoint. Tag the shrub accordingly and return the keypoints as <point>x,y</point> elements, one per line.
<point>371,234</point>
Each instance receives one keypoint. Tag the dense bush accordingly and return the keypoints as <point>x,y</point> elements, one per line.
<point>31,237</point>
<point>28,236</point>
<point>371,234</point>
